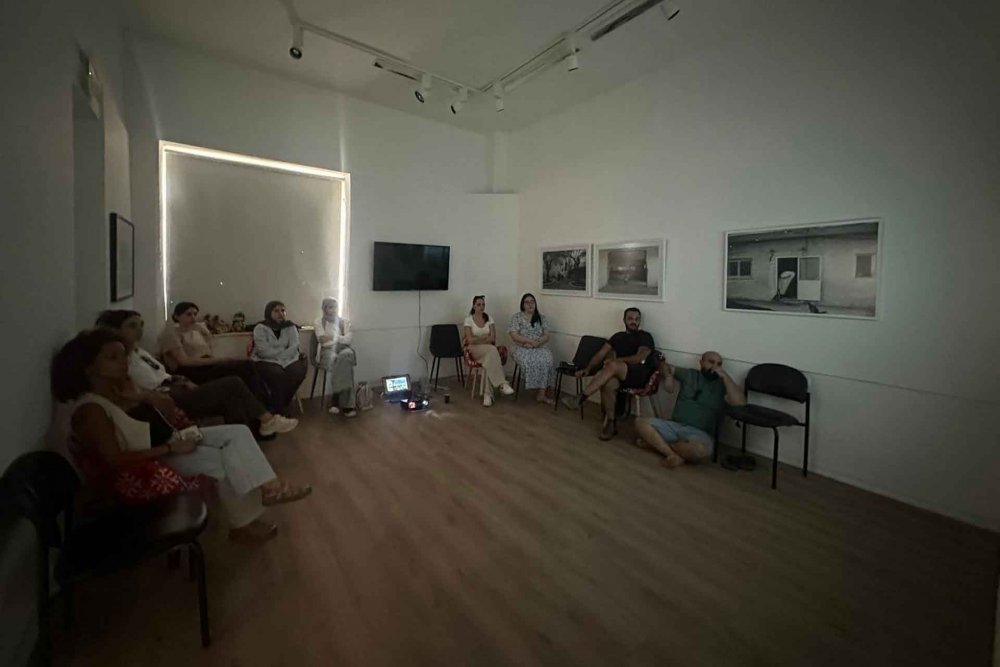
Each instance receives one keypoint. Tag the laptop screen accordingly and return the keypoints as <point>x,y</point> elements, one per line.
<point>397,384</point>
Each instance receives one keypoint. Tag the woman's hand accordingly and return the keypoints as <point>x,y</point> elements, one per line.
<point>185,446</point>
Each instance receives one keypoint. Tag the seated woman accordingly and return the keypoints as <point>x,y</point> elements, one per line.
<point>279,362</point>
<point>227,397</point>
<point>92,369</point>
<point>186,348</point>
<point>529,330</point>
<point>334,354</point>
<point>480,336</point>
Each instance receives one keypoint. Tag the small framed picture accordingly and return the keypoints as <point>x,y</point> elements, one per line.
<point>122,258</point>
<point>565,270</point>
<point>826,269</point>
<point>633,270</point>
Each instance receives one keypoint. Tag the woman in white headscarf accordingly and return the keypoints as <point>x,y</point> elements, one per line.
<point>335,355</point>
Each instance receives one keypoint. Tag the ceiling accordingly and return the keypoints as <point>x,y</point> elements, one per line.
<point>472,41</point>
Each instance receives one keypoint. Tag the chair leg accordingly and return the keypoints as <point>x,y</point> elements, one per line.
<point>458,372</point>
<point>559,379</point>
<point>517,381</point>
<point>312,390</point>
<point>743,438</point>
<point>434,363</point>
<point>197,556</point>
<point>69,602</point>
<point>579,390</point>
<point>774,462</point>
<point>805,450</point>
<point>322,398</point>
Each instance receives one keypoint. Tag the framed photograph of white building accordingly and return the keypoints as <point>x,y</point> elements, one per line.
<point>828,269</point>
<point>566,270</point>
<point>632,270</point>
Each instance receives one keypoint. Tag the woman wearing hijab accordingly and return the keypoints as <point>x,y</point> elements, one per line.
<point>279,361</point>
<point>336,357</point>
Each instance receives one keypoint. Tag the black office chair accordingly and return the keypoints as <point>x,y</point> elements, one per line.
<point>783,382</point>
<point>40,486</point>
<point>585,351</point>
<point>446,343</point>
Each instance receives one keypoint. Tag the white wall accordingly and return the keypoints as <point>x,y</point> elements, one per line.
<point>38,42</point>
<point>819,111</point>
<point>410,182</point>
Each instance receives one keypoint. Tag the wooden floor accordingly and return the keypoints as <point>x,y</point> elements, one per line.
<point>512,536</point>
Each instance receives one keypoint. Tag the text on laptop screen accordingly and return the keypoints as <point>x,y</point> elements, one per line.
<point>397,384</point>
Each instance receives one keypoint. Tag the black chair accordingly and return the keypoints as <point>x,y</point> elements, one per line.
<point>783,382</point>
<point>41,486</point>
<point>317,369</point>
<point>446,343</point>
<point>585,351</point>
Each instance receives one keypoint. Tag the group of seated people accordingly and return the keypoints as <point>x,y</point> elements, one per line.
<point>130,409</point>
<point>626,360</point>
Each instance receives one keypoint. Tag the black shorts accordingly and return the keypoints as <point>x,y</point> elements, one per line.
<point>637,375</point>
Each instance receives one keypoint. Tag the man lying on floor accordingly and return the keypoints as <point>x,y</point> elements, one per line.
<point>690,435</point>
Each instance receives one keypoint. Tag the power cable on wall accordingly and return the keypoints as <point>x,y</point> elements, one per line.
<point>420,337</point>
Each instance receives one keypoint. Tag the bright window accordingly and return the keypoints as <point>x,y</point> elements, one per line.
<point>739,267</point>
<point>240,231</point>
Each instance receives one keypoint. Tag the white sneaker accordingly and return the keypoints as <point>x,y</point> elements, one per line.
<point>487,400</point>
<point>506,389</point>
<point>278,424</point>
<point>334,410</point>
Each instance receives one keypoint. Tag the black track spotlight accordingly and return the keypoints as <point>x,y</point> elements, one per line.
<point>670,10</point>
<point>296,50</point>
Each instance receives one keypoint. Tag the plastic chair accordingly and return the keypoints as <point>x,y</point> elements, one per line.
<point>446,343</point>
<point>317,369</point>
<point>585,351</point>
<point>649,389</point>
<point>783,382</point>
<point>477,374</point>
<point>41,486</point>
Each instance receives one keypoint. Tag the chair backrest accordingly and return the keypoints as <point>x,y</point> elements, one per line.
<point>778,380</point>
<point>446,341</point>
<point>40,487</point>
<point>586,349</point>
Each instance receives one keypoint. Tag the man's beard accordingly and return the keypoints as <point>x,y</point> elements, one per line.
<point>709,374</point>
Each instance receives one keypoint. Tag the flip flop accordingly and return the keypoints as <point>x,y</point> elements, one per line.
<point>286,494</point>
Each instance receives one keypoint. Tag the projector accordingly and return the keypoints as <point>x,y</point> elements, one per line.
<point>415,403</point>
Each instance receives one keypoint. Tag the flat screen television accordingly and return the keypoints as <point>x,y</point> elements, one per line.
<point>409,266</point>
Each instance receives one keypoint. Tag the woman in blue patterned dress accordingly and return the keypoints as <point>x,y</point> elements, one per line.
<point>529,330</point>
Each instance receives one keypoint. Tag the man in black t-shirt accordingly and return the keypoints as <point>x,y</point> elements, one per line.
<point>628,359</point>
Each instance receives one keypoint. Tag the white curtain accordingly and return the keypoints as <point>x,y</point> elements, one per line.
<point>238,236</point>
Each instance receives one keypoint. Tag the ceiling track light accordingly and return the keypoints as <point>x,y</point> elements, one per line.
<point>498,96</point>
<point>670,10</point>
<point>463,97</point>
<point>424,91</point>
<point>297,40</point>
<point>572,60</point>
<point>390,67</point>
<point>637,10</point>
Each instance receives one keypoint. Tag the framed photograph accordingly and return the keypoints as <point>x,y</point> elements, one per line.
<point>566,270</point>
<point>122,258</point>
<point>633,270</point>
<point>828,269</point>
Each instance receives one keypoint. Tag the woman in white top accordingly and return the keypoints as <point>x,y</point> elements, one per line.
<point>480,337</point>
<point>92,370</point>
<point>335,355</point>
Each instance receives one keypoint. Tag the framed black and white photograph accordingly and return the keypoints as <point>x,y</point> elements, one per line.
<point>828,269</point>
<point>566,270</point>
<point>633,270</point>
<point>122,258</point>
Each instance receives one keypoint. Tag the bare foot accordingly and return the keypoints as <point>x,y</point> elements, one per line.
<point>672,461</point>
<point>542,398</point>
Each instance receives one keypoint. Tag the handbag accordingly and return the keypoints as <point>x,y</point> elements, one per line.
<point>364,398</point>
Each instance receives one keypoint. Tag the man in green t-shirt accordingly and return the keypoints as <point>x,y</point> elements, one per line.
<point>690,435</point>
